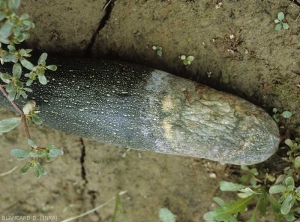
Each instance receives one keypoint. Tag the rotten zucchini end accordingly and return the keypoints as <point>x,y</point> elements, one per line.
<point>146,109</point>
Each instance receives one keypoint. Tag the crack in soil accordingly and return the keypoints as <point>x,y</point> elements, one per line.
<point>296,2</point>
<point>91,193</point>
<point>83,173</point>
<point>108,7</point>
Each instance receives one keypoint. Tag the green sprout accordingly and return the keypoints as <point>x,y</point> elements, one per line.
<point>36,152</point>
<point>285,114</point>
<point>280,23</point>
<point>165,215</point>
<point>187,60</point>
<point>290,194</point>
<point>14,29</point>
<point>293,158</point>
<point>158,49</point>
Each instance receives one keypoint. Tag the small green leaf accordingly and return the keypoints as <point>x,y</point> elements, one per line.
<point>9,124</point>
<point>297,162</point>
<point>277,189</point>
<point>29,82</point>
<point>289,181</point>
<point>28,65</point>
<point>36,171</point>
<point>226,212</point>
<point>42,59</point>
<point>55,152</point>
<point>12,95</point>
<point>285,25</point>
<point>297,210</point>
<point>38,153</point>
<point>11,48</point>
<point>209,216</point>
<point>253,217</point>
<point>42,79</point>
<point>229,186</point>
<point>50,147</point>
<point>253,181</point>
<point>24,53</point>
<point>182,57</point>
<point>28,24</point>
<point>290,217</point>
<point>10,87</point>
<point>280,16</point>
<point>52,67</point>
<point>23,94</point>
<point>276,21</point>
<point>289,143</point>
<point>287,204</point>
<point>190,58</point>
<point>31,143</point>
<point>6,29</point>
<point>254,171</point>
<point>36,119</point>
<point>42,170</point>
<point>286,114</point>
<point>25,168</point>
<point>2,16</point>
<point>274,204</point>
<point>39,170</point>
<point>219,201</point>
<point>298,193</point>
<point>13,4</point>
<point>17,31</point>
<point>28,89</point>
<point>159,52</point>
<point>244,167</point>
<point>248,190</point>
<point>263,204</point>
<point>5,77</point>
<point>9,57</point>
<point>166,215</point>
<point>21,154</point>
<point>278,27</point>
<point>47,157</point>
<point>5,41</point>
<point>23,36</point>
<point>17,70</point>
<point>186,62</point>
<point>24,17</point>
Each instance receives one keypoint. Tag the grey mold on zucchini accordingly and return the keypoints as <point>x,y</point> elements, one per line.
<point>146,109</point>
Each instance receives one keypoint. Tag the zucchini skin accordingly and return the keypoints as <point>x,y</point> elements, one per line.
<point>146,109</point>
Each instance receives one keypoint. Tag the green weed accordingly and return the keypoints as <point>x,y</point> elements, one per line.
<point>14,30</point>
<point>282,196</point>
<point>279,21</point>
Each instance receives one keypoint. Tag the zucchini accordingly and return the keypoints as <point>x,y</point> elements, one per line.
<point>146,109</point>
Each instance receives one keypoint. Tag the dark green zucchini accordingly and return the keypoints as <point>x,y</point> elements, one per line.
<point>146,109</point>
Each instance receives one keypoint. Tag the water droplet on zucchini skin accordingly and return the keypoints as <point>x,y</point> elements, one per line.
<point>146,109</point>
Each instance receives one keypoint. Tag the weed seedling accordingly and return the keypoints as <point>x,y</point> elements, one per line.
<point>187,60</point>
<point>280,23</point>
<point>285,114</point>
<point>158,49</point>
<point>165,215</point>
<point>14,30</point>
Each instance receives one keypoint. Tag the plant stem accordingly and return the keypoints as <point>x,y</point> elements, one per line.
<point>17,109</point>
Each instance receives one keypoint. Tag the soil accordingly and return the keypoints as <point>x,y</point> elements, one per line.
<point>236,50</point>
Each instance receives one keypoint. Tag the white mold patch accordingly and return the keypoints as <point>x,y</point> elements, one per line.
<point>157,81</point>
